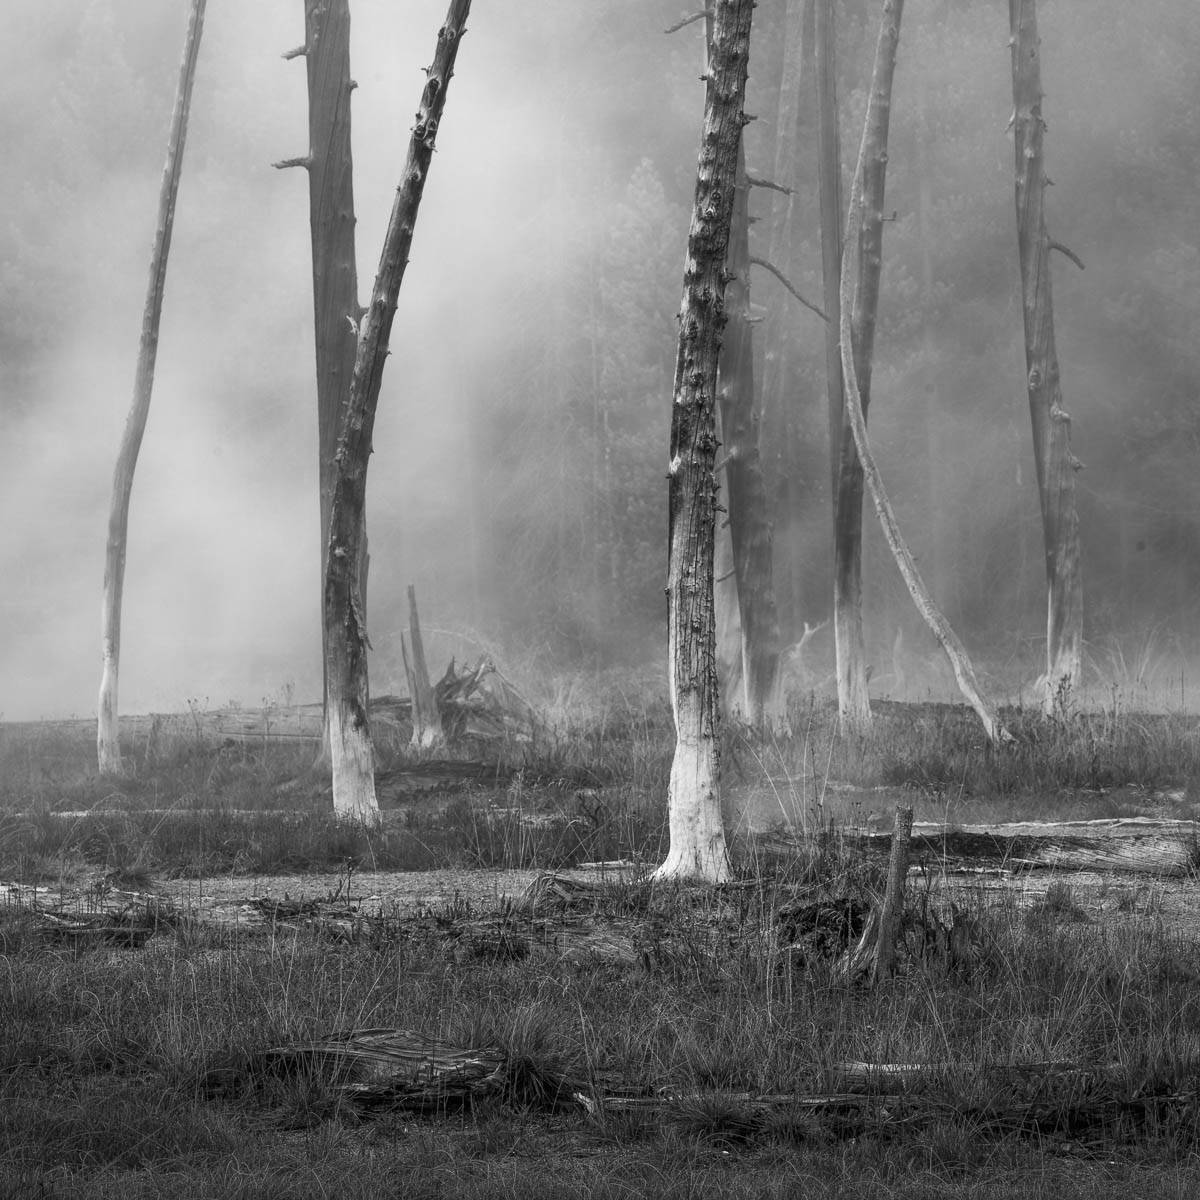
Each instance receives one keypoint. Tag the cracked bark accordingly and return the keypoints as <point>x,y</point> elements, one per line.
<point>697,831</point>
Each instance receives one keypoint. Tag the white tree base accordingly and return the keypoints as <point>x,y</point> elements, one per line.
<point>353,762</point>
<point>698,848</point>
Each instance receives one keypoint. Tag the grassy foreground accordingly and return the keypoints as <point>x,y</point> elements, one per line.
<point>105,1053</point>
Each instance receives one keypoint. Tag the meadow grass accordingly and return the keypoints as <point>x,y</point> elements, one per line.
<point>103,1051</point>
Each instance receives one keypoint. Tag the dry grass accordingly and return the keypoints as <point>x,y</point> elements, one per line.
<point>103,1049</point>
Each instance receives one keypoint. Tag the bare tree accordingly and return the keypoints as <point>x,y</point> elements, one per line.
<point>854,704</point>
<point>351,750</point>
<point>108,729</point>
<point>865,208</point>
<point>696,826</point>
<point>1056,465</point>
<point>336,310</point>
<point>749,524</point>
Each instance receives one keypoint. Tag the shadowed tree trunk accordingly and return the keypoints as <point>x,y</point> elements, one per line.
<point>1056,465</point>
<point>108,728</point>
<point>336,310</point>
<point>783,398</point>
<point>749,524</point>
<point>854,704</point>
<point>725,600</point>
<point>351,750</point>
<point>697,830</point>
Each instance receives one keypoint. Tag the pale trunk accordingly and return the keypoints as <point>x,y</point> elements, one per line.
<point>872,157</point>
<point>854,705</point>
<point>350,737</point>
<point>108,730</point>
<point>697,830</point>
<point>1056,465</point>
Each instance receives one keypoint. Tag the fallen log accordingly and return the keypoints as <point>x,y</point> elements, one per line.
<point>401,1069</point>
<point>1143,845</point>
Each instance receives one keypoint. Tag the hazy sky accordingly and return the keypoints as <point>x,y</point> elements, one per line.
<point>221,586</point>
<point>553,106</point>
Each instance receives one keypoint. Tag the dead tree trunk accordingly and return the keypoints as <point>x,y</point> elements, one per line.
<point>854,705</point>
<point>427,731</point>
<point>345,628</point>
<point>749,524</point>
<point>336,310</point>
<point>697,830</point>
<point>783,397</point>
<point>872,157</point>
<point>730,683</point>
<point>108,729</point>
<point>1056,465</point>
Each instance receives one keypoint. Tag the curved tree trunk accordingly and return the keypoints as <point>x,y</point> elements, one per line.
<point>854,705</point>
<point>1056,465</point>
<point>872,157</point>
<point>697,830</point>
<point>108,729</point>
<point>351,750</point>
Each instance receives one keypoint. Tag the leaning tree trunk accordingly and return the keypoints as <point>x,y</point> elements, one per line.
<point>854,705</point>
<point>336,310</point>
<point>872,159</point>
<point>345,628</point>
<point>108,729</point>
<point>696,826</point>
<point>1056,465</point>
<point>749,524</point>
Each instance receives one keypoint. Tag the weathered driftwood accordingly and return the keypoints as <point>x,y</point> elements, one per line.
<point>398,1067</point>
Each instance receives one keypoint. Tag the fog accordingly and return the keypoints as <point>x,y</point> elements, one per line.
<point>520,447</point>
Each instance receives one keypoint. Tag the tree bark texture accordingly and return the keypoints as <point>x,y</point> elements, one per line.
<point>697,831</point>
<point>854,705</point>
<point>746,493</point>
<point>345,628</point>
<point>336,310</point>
<point>866,207</point>
<point>108,746</point>
<point>892,908</point>
<point>1056,465</point>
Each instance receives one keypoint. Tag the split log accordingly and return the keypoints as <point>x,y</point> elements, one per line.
<point>427,731</point>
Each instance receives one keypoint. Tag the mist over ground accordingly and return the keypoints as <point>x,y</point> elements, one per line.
<point>521,441</point>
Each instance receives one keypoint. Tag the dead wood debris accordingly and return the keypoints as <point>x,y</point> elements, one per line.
<point>128,929</point>
<point>401,1069</point>
<point>479,702</point>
